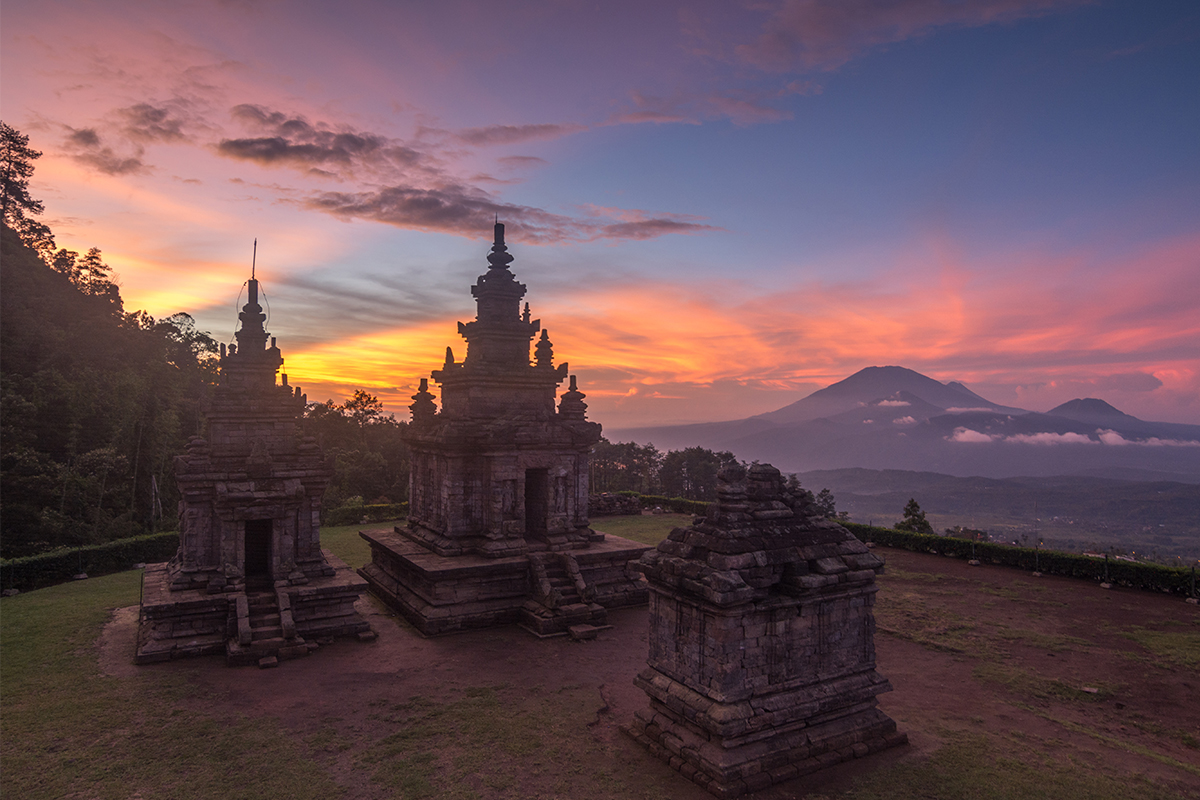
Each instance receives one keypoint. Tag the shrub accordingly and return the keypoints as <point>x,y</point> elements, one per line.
<point>678,505</point>
<point>44,569</point>
<point>356,513</point>
<point>1137,575</point>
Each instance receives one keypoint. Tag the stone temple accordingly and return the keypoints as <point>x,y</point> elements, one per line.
<point>250,578</point>
<point>762,653</point>
<point>498,505</point>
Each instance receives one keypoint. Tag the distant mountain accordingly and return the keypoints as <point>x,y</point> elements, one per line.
<point>877,383</point>
<point>1101,414</point>
<point>895,418</point>
<point>1089,409</point>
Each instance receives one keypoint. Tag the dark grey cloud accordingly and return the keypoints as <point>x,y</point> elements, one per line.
<point>84,137</point>
<point>451,209</point>
<point>652,228</point>
<point>414,190</point>
<point>148,123</point>
<point>463,211</point>
<point>88,148</point>
<point>515,134</point>
<point>294,141</point>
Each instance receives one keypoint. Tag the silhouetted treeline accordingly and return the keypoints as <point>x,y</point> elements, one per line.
<point>690,473</point>
<point>96,402</point>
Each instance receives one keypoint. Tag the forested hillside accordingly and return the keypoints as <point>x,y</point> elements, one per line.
<point>96,402</point>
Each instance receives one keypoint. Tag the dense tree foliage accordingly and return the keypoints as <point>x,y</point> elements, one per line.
<point>371,463</point>
<point>95,403</point>
<point>625,467</point>
<point>690,473</point>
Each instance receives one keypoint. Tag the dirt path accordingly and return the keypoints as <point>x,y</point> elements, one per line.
<point>1046,665</point>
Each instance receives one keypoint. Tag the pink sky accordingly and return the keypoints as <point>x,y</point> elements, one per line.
<point>717,208</point>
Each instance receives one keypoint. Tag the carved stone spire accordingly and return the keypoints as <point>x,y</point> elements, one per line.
<point>497,293</point>
<point>423,408</point>
<point>572,406</point>
<point>250,363</point>
<point>252,336</point>
<point>499,258</point>
<point>544,352</point>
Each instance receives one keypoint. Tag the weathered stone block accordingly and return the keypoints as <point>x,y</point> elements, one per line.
<point>760,685</point>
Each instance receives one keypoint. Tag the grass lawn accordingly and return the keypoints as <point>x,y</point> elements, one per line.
<point>71,731</point>
<point>646,528</point>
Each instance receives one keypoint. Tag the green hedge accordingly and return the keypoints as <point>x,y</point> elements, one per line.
<point>357,514</point>
<point>44,569</point>
<point>678,505</point>
<point>1138,575</point>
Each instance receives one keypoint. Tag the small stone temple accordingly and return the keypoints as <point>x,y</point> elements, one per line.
<point>250,578</point>
<point>762,654</point>
<point>498,503</point>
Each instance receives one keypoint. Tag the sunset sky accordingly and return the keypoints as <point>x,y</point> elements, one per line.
<point>718,207</point>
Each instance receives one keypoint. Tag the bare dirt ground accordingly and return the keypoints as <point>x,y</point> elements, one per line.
<point>1103,679</point>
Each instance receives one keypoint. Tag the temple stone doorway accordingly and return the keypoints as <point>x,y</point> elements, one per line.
<point>258,551</point>
<point>537,501</point>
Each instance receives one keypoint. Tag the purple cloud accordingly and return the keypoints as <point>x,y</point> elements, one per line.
<point>515,134</point>
<point>825,34</point>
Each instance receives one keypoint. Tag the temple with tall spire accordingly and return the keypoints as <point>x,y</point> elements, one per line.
<point>250,578</point>
<point>498,526</point>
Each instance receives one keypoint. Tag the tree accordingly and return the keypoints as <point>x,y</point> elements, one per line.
<point>914,519</point>
<point>371,462</point>
<point>16,167</point>
<point>624,466</point>
<point>90,275</point>
<point>692,472</point>
<point>827,504</point>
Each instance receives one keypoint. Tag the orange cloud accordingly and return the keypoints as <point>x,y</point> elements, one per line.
<point>1050,324</point>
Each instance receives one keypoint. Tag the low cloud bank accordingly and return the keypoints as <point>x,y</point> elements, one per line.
<point>1103,437</point>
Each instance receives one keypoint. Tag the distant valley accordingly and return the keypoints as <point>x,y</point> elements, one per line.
<point>1159,520</point>
<point>1081,475</point>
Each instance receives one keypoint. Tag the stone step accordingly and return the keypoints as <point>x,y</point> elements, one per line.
<point>275,647</point>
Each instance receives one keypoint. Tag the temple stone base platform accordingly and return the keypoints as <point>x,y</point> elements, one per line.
<point>762,654</point>
<point>250,625</point>
<point>545,592</point>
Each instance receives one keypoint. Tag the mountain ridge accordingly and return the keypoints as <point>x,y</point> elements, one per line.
<point>896,418</point>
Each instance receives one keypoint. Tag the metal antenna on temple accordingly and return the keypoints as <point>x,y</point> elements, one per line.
<point>254,258</point>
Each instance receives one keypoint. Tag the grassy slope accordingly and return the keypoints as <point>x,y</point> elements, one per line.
<point>70,730</point>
